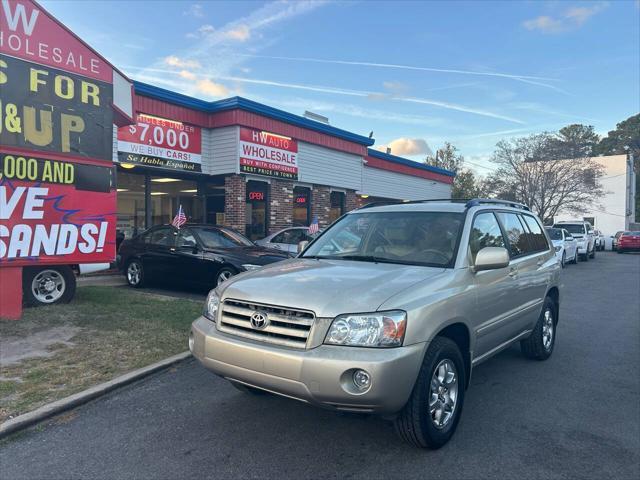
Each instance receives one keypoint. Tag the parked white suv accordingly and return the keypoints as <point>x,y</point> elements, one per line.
<point>388,311</point>
<point>583,233</point>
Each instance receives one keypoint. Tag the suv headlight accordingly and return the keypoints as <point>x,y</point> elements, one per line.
<point>377,329</point>
<point>211,306</point>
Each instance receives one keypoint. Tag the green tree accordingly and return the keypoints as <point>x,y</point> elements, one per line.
<point>576,141</point>
<point>626,134</point>
<point>465,183</point>
<point>446,157</point>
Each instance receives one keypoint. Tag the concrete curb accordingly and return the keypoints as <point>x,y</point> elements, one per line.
<point>23,421</point>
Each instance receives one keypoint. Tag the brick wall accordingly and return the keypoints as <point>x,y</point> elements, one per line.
<point>352,201</point>
<point>321,205</point>
<point>235,202</point>
<point>280,205</point>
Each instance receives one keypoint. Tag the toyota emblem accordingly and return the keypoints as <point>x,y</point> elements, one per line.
<point>259,320</point>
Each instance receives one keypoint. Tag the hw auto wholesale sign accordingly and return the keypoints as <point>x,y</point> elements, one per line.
<point>159,142</point>
<point>57,202</point>
<point>264,153</point>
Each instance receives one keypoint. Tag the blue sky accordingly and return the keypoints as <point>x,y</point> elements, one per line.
<point>416,73</point>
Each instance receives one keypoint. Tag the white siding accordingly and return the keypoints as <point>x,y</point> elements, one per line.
<point>615,210</point>
<point>220,150</point>
<point>382,183</point>
<point>323,166</point>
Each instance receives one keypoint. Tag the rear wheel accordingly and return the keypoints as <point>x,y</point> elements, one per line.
<point>430,417</point>
<point>135,273</point>
<point>539,345</point>
<point>48,285</point>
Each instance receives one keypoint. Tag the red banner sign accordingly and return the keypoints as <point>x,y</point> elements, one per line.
<point>264,153</point>
<point>30,34</point>
<point>57,200</point>
<point>43,224</point>
<point>161,142</point>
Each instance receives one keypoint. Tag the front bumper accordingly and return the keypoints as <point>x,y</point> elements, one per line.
<point>321,376</point>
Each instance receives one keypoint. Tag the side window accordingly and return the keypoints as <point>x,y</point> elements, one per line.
<point>537,238</point>
<point>515,233</point>
<point>295,236</point>
<point>278,238</point>
<point>485,232</point>
<point>161,236</point>
<point>186,239</point>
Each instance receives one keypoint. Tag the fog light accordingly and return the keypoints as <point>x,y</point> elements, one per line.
<point>191,342</point>
<point>361,379</point>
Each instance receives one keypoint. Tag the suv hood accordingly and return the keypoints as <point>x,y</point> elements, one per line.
<point>327,287</point>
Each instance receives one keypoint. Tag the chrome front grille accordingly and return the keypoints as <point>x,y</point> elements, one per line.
<point>285,326</point>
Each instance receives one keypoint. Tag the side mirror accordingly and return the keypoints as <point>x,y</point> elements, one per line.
<point>302,245</point>
<point>491,258</point>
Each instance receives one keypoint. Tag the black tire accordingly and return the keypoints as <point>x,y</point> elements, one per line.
<point>414,424</point>
<point>224,271</point>
<point>585,257</point>
<point>564,259</point>
<point>575,258</point>
<point>48,285</point>
<point>619,251</point>
<point>534,346</point>
<point>135,280</point>
<point>593,252</point>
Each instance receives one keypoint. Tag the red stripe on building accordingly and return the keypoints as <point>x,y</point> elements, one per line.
<point>374,162</point>
<point>162,109</point>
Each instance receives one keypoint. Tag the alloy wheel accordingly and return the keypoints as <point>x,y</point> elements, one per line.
<point>134,272</point>
<point>443,393</point>
<point>547,329</point>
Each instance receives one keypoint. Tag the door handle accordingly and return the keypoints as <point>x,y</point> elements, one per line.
<point>513,271</point>
<point>540,262</point>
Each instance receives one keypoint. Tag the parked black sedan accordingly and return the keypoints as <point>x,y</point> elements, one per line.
<point>202,255</point>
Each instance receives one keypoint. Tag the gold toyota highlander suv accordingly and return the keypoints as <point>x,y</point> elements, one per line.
<point>388,311</point>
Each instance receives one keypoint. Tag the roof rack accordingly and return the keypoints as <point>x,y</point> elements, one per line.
<point>495,201</point>
<point>469,202</point>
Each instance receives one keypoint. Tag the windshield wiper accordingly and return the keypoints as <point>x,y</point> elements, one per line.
<point>370,258</point>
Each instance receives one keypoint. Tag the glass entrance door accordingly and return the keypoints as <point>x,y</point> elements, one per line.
<point>256,210</point>
<point>301,204</point>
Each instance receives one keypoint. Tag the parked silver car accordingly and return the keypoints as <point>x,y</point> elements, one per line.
<point>388,311</point>
<point>286,239</point>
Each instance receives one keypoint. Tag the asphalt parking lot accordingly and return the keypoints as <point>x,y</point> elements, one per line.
<point>576,415</point>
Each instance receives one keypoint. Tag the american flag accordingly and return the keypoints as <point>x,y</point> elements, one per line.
<point>314,227</point>
<point>180,218</point>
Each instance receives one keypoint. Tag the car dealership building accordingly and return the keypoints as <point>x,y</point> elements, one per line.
<point>251,167</point>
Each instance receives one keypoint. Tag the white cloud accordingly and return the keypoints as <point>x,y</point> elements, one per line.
<point>241,33</point>
<point>178,62</point>
<point>194,10</point>
<point>213,89</point>
<point>407,146</point>
<point>570,19</point>
<point>186,74</point>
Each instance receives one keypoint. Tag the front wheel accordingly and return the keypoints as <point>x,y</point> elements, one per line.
<point>593,252</point>
<point>430,417</point>
<point>48,285</point>
<point>564,259</point>
<point>224,274</point>
<point>539,345</point>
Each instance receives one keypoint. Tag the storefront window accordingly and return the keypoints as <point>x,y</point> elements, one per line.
<point>168,193</point>
<point>301,206</point>
<point>131,212</point>
<point>337,205</point>
<point>256,210</point>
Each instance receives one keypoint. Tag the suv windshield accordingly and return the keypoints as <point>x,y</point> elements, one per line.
<point>412,238</point>
<point>573,228</point>
<point>554,233</point>
<point>221,238</point>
